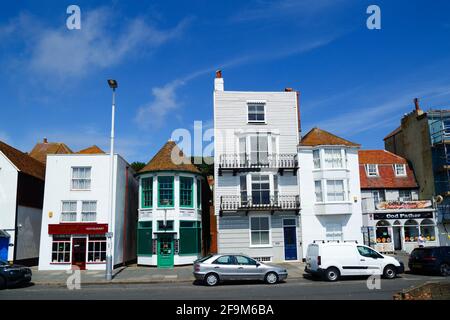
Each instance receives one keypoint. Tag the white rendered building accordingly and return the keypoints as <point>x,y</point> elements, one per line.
<point>256,196</point>
<point>329,189</point>
<point>76,211</point>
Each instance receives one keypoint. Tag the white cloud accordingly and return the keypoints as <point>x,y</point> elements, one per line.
<point>99,43</point>
<point>164,101</point>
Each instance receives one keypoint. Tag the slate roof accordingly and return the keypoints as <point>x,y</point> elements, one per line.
<point>162,161</point>
<point>23,161</point>
<point>317,137</point>
<point>387,178</point>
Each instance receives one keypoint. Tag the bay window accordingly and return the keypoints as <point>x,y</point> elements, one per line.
<point>333,158</point>
<point>318,190</point>
<point>147,192</point>
<point>186,192</point>
<point>316,159</point>
<point>260,231</point>
<point>259,149</point>
<point>335,190</point>
<point>165,192</point>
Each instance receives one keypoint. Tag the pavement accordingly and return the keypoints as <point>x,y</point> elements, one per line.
<point>138,274</point>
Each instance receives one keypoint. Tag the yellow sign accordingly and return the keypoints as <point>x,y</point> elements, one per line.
<point>50,214</point>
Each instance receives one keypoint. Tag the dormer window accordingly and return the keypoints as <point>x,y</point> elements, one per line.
<point>372,170</point>
<point>256,113</point>
<point>400,170</point>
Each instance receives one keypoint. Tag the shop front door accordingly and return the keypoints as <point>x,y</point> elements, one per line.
<point>165,251</point>
<point>79,253</point>
<point>397,238</point>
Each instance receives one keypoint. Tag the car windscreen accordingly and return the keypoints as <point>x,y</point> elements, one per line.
<point>204,258</point>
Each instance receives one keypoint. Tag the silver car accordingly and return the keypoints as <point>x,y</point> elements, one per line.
<point>222,267</point>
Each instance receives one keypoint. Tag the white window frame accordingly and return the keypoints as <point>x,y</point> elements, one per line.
<point>334,232</point>
<point>321,191</point>
<point>343,190</point>
<point>84,212</point>
<point>88,241</point>
<point>369,174</point>
<point>249,103</point>
<point>63,212</point>
<point>63,251</point>
<point>403,198</point>
<point>89,179</point>
<point>399,165</point>
<point>316,160</point>
<point>269,245</point>
<point>333,159</point>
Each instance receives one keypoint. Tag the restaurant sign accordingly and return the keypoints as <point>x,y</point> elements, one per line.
<point>78,228</point>
<point>398,205</point>
<point>403,215</point>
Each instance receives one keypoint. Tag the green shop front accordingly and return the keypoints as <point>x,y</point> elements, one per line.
<point>169,226</point>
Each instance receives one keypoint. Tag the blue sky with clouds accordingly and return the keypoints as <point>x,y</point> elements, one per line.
<point>354,82</point>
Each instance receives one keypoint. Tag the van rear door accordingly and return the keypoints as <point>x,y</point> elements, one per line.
<point>312,256</point>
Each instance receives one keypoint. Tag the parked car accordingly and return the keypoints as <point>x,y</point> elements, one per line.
<point>332,260</point>
<point>215,268</point>
<point>13,274</point>
<point>434,260</point>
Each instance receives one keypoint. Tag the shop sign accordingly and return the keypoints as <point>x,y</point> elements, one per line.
<point>398,205</point>
<point>78,228</point>
<point>403,215</point>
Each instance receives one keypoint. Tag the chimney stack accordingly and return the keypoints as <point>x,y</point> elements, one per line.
<point>218,81</point>
<point>45,140</point>
<point>288,89</point>
<point>416,103</point>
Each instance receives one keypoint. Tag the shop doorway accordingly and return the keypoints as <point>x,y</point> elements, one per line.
<point>4,246</point>
<point>290,239</point>
<point>79,253</point>
<point>397,238</point>
<point>165,251</point>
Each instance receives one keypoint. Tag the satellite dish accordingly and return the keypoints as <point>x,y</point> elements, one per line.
<point>439,199</point>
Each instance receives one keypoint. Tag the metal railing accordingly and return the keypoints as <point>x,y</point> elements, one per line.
<point>255,202</point>
<point>246,161</point>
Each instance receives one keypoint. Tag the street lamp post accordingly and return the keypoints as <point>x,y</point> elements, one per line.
<point>109,260</point>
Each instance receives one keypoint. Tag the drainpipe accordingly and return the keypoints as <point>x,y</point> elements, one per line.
<point>125,217</point>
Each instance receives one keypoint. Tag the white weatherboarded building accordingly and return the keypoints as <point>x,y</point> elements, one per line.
<point>329,189</point>
<point>256,191</point>
<point>76,211</point>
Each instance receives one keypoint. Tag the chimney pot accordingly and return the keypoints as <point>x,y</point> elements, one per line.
<point>416,103</point>
<point>288,89</point>
<point>219,74</point>
<point>45,140</point>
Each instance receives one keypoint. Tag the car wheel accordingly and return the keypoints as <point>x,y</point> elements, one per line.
<point>332,274</point>
<point>271,278</point>
<point>389,272</point>
<point>444,270</point>
<point>211,279</point>
<point>2,283</point>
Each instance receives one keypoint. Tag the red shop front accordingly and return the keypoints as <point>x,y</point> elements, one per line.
<point>78,244</point>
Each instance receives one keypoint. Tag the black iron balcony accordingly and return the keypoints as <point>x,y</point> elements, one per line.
<point>245,162</point>
<point>256,202</point>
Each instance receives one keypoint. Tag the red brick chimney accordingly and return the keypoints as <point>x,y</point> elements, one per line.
<point>416,103</point>
<point>288,89</point>
<point>219,74</point>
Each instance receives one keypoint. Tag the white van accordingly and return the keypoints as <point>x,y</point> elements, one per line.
<point>332,260</point>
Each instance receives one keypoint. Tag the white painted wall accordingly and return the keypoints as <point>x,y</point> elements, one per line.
<point>58,189</point>
<point>315,217</point>
<point>8,199</point>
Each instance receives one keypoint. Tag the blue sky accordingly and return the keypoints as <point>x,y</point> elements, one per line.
<point>354,82</point>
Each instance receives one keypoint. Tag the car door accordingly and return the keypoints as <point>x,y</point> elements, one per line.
<point>370,261</point>
<point>247,268</point>
<point>225,267</point>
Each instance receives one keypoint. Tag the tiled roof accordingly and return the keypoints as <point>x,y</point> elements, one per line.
<point>317,137</point>
<point>23,161</point>
<point>387,178</point>
<point>162,161</point>
<point>393,133</point>
<point>42,149</point>
<point>91,150</point>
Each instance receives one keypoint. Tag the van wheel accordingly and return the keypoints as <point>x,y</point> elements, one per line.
<point>2,283</point>
<point>444,270</point>
<point>389,272</point>
<point>271,278</point>
<point>211,279</point>
<point>332,274</point>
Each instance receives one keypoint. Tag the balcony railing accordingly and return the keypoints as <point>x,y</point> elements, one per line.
<point>247,203</point>
<point>246,162</point>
